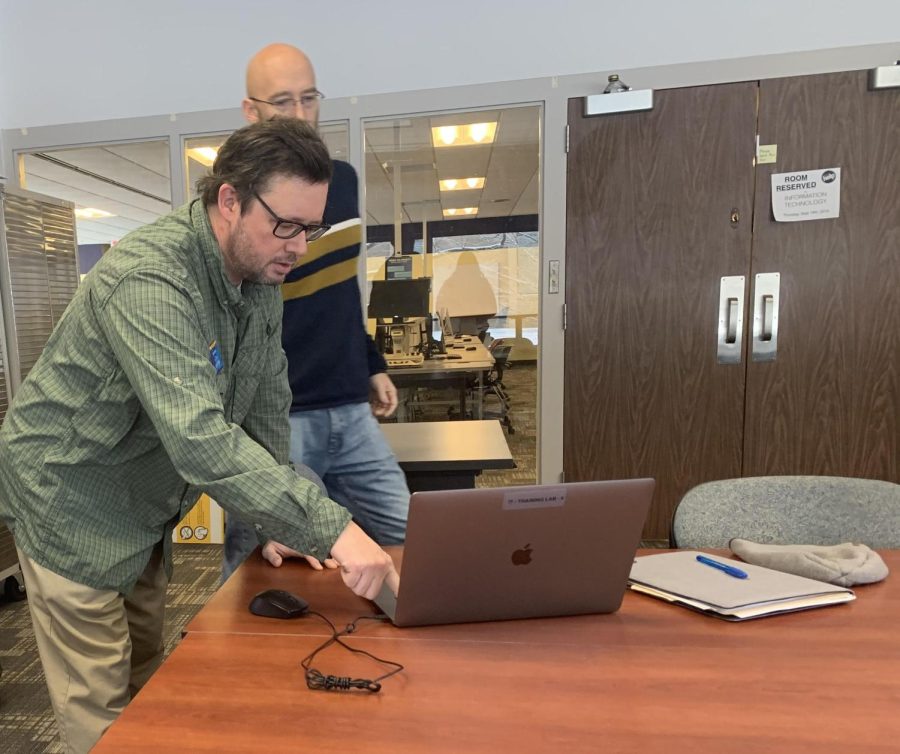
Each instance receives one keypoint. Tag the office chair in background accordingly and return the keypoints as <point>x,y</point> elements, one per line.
<point>493,389</point>
<point>813,510</point>
<point>495,399</point>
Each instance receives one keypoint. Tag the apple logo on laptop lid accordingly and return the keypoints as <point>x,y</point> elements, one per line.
<point>522,556</point>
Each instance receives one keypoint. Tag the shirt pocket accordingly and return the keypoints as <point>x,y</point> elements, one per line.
<point>250,363</point>
<point>222,386</point>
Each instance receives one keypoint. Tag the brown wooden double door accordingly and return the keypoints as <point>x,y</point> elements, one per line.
<point>661,206</point>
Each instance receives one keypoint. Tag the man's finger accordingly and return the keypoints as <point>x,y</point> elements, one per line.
<point>393,581</point>
<point>314,562</point>
<point>271,555</point>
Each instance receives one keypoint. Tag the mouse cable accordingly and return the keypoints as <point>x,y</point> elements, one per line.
<point>316,681</point>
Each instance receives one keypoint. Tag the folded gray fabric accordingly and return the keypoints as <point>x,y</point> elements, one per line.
<point>845,564</point>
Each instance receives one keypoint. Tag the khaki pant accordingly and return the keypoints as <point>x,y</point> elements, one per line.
<point>98,647</point>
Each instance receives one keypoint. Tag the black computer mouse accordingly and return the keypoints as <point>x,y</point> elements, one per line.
<point>277,603</point>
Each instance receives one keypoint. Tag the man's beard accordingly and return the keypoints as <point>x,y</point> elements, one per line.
<point>237,250</point>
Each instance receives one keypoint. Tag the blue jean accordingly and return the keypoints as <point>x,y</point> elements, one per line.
<point>346,448</point>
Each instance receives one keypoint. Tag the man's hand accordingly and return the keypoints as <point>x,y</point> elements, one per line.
<point>275,553</point>
<point>382,395</point>
<point>364,565</point>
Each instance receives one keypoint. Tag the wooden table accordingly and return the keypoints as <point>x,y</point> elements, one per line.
<point>448,455</point>
<point>652,677</point>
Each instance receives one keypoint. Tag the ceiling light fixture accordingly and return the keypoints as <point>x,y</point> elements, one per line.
<point>90,213</point>
<point>478,132</point>
<point>448,134</point>
<point>203,155</point>
<point>457,211</point>
<point>461,184</point>
<point>464,135</point>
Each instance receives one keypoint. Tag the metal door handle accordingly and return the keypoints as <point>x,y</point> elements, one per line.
<point>765,316</point>
<point>767,303</point>
<point>731,328</point>
<point>731,319</point>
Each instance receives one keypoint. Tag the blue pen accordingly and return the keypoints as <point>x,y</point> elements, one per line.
<point>730,570</point>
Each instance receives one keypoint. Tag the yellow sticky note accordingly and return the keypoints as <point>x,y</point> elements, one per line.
<point>767,153</point>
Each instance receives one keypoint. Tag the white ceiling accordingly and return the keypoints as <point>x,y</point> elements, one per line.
<point>131,180</point>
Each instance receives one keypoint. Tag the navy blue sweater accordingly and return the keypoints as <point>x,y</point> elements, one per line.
<point>330,354</point>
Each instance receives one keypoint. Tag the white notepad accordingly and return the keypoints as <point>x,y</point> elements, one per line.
<point>679,578</point>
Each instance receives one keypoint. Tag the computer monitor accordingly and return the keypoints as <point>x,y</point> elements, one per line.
<point>400,298</point>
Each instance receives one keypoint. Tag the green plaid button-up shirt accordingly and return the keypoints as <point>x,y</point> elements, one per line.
<point>161,380</point>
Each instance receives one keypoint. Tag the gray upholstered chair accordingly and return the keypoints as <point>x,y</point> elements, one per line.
<point>814,510</point>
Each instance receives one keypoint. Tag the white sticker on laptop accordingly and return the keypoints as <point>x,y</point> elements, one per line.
<point>531,497</point>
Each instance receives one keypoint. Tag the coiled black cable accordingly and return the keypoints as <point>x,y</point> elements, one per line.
<point>318,681</point>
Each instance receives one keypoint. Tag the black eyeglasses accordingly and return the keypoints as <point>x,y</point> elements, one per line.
<point>290,228</point>
<point>308,101</point>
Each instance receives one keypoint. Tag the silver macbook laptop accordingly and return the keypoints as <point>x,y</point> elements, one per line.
<point>517,552</point>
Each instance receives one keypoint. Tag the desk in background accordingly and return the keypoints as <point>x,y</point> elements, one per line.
<point>447,455</point>
<point>471,364</point>
<point>651,678</point>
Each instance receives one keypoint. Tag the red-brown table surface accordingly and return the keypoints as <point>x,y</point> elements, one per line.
<point>651,677</point>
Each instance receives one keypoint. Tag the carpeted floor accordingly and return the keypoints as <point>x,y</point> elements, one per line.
<point>520,383</point>
<point>26,720</point>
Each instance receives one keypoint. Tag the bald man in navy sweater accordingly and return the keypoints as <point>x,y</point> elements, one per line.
<point>337,375</point>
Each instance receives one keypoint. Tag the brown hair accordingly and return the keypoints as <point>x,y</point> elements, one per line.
<point>254,154</point>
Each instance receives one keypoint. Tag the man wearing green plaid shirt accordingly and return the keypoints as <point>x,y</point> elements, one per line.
<point>166,378</point>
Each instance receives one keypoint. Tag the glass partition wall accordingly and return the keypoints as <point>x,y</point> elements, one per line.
<point>115,188</point>
<point>200,151</point>
<point>454,197</point>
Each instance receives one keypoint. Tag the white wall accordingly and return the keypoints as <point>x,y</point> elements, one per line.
<point>64,61</point>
